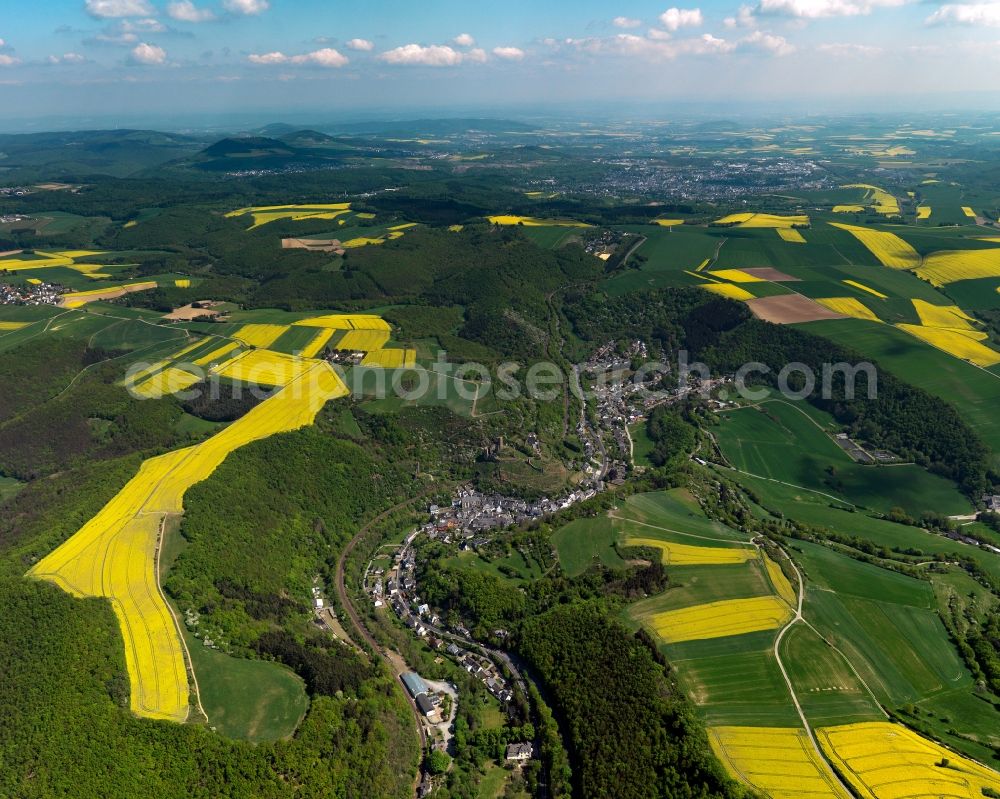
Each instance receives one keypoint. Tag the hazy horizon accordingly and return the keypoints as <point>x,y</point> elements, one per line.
<point>87,63</point>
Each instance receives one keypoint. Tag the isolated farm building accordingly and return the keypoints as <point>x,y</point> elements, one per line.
<point>414,684</point>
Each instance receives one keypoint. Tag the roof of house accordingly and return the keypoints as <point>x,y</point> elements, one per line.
<point>424,703</point>
<point>414,684</point>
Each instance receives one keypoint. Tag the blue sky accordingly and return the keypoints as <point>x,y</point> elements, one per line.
<point>126,58</point>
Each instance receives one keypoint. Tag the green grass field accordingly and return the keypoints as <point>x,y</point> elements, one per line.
<point>253,700</point>
<point>668,252</point>
<point>418,387</point>
<point>697,585</point>
<point>737,681</point>
<point>294,340</point>
<point>526,569</point>
<point>551,237</point>
<point>780,442</point>
<point>661,513</point>
<point>642,444</point>
<point>828,690</point>
<point>902,652</point>
<point>826,570</point>
<point>581,541</point>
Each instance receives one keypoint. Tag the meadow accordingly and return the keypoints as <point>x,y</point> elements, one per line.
<point>779,442</point>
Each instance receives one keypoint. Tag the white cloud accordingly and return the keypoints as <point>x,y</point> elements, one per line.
<point>768,43</point>
<point>7,60</point>
<point>327,57</point>
<point>104,9</point>
<point>186,11</point>
<point>843,49</point>
<point>657,35</point>
<point>66,58</point>
<point>744,18</point>
<point>675,18</point>
<point>268,58</point>
<point>246,7</point>
<point>629,45</point>
<point>464,40</point>
<point>148,25</point>
<point>476,54</point>
<point>821,9</point>
<point>435,55</point>
<point>983,14</point>
<point>626,22</point>
<point>363,45</point>
<point>149,54</point>
<point>509,53</point>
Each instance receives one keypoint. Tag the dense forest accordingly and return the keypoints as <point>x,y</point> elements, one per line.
<point>630,735</point>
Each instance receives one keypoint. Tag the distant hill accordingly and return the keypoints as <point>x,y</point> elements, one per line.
<point>246,146</point>
<point>307,138</point>
<point>431,127</point>
<point>36,156</point>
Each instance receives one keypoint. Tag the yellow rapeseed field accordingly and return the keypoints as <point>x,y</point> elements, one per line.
<point>961,345</point>
<point>263,367</point>
<point>390,359</point>
<point>114,554</point>
<point>848,209</point>
<point>668,222</point>
<point>361,241</point>
<point>781,762</point>
<point>530,221</point>
<point>752,220</point>
<point>736,276</point>
<point>169,381</point>
<point>8,326</point>
<point>782,585</point>
<point>702,265</point>
<point>216,355</point>
<point>263,214</point>
<point>849,306</point>
<point>968,211</point>
<point>923,212</point>
<point>142,374</point>
<point>882,202</point>
<point>950,266</point>
<point>719,619</point>
<point>889,248</point>
<point>456,228</point>
<point>881,760</point>
<point>687,555</point>
<point>363,340</point>
<point>947,317</point>
<point>183,283</point>
<point>729,290</point>
<point>318,342</point>
<point>868,289</point>
<point>791,235</point>
<point>75,299</point>
<point>255,335</point>
<point>346,322</point>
